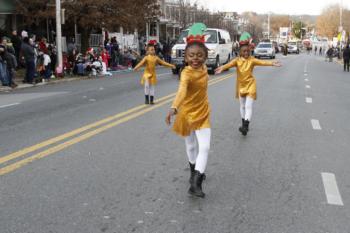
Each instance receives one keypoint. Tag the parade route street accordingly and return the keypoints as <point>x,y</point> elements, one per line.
<point>88,156</point>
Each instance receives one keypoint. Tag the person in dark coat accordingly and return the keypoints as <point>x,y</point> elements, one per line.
<point>16,43</point>
<point>10,61</point>
<point>330,54</point>
<point>346,57</point>
<point>28,53</point>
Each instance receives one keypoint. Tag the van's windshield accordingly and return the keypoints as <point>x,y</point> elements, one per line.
<point>211,36</point>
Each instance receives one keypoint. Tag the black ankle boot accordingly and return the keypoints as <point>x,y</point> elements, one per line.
<point>241,127</point>
<point>146,99</point>
<point>192,166</point>
<point>151,99</point>
<point>245,127</point>
<point>196,185</point>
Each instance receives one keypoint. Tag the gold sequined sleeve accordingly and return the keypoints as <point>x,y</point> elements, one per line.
<point>182,91</point>
<point>163,63</point>
<point>141,63</point>
<point>258,62</point>
<point>232,63</point>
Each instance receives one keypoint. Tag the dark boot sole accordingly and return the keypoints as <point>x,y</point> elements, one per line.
<point>196,194</point>
<point>244,133</point>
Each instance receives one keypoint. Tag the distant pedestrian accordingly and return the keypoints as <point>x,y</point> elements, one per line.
<point>16,43</point>
<point>315,50</point>
<point>329,53</point>
<point>320,53</point>
<point>28,53</point>
<point>9,64</point>
<point>346,57</point>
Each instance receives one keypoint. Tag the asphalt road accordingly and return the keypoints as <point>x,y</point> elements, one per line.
<point>63,170</point>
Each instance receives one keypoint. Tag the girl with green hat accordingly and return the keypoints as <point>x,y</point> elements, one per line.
<point>245,82</point>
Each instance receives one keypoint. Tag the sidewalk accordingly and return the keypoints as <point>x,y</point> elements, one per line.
<point>21,85</point>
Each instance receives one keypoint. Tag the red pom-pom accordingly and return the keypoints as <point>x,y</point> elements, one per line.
<point>152,42</point>
<point>197,38</point>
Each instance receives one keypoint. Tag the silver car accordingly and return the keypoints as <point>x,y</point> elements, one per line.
<point>265,49</point>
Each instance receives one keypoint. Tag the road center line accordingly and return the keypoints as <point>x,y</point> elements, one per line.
<point>306,80</point>
<point>331,189</point>
<point>9,105</point>
<point>308,86</point>
<point>120,117</point>
<point>308,100</point>
<point>316,124</point>
<point>163,74</point>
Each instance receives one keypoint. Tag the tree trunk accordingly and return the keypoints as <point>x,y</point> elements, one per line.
<point>85,37</point>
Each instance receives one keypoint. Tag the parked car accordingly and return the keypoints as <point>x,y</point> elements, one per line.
<point>293,47</point>
<point>265,49</point>
<point>218,42</point>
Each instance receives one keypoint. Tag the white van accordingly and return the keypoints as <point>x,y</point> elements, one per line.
<point>219,44</point>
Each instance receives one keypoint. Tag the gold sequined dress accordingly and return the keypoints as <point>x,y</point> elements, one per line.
<point>191,101</point>
<point>245,82</point>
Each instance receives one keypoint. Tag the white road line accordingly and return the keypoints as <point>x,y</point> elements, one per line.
<point>305,74</point>
<point>159,75</point>
<point>331,189</point>
<point>9,105</point>
<point>308,86</point>
<point>315,124</point>
<point>306,80</point>
<point>308,100</point>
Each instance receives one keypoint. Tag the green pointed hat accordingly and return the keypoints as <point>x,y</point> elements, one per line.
<point>245,39</point>
<point>196,33</point>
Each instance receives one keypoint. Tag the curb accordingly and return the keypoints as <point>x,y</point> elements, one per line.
<point>58,80</point>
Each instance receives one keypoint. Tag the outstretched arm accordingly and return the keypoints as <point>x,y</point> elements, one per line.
<point>258,62</point>
<point>166,64</point>
<point>141,63</point>
<point>232,63</point>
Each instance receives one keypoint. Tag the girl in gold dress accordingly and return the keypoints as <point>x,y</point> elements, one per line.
<point>245,82</point>
<point>192,110</point>
<point>149,78</point>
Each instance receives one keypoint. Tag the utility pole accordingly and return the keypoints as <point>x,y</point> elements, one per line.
<point>341,16</point>
<point>268,25</point>
<point>59,34</point>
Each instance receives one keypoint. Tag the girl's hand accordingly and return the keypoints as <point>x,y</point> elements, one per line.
<point>218,70</point>
<point>173,67</point>
<point>171,113</point>
<point>276,63</point>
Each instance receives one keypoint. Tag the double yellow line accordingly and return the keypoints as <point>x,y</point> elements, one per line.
<point>83,133</point>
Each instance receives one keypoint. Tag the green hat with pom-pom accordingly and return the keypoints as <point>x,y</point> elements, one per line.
<point>196,33</point>
<point>245,39</point>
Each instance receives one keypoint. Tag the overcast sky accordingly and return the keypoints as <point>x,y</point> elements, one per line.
<point>311,7</point>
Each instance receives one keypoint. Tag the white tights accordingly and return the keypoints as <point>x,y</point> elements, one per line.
<point>149,89</point>
<point>197,148</point>
<point>246,107</point>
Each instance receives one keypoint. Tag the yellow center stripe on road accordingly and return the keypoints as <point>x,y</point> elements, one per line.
<point>59,138</point>
<point>132,114</point>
